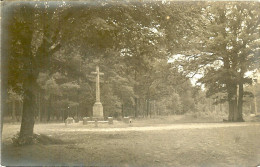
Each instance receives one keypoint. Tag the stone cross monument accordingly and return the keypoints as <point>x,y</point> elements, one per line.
<point>97,108</point>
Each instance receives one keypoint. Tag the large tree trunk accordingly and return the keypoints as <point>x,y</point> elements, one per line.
<point>29,102</point>
<point>235,110</point>
<point>30,73</point>
<point>235,105</point>
<point>230,104</point>
<point>230,111</point>
<point>230,91</point>
<point>240,102</point>
<point>29,98</point>
<point>28,115</point>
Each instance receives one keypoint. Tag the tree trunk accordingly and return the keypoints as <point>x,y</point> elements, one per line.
<point>150,111</point>
<point>147,108</point>
<point>136,100</point>
<point>235,104</point>
<point>39,107</point>
<point>230,111</point>
<point>63,115</point>
<point>136,107</point>
<point>235,110</point>
<point>215,106</point>
<point>230,104</point>
<point>255,101</point>
<point>30,74</point>
<point>49,109</point>
<point>143,107</point>
<point>123,111</point>
<point>27,125</point>
<point>232,93</point>
<point>29,101</point>
<point>240,102</point>
<point>232,101</point>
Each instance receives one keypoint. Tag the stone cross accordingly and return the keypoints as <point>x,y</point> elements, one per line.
<point>97,83</point>
<point>97,108</point>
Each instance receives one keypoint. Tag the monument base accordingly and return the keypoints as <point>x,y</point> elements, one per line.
<point>98,110</point>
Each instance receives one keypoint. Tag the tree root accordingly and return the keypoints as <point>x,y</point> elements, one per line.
<point>35,139</point>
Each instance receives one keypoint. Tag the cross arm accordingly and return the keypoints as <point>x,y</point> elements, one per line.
<point>101,73</point>
<point>93,72</point>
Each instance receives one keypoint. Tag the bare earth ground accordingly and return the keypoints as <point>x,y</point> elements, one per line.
<point>157,144</point>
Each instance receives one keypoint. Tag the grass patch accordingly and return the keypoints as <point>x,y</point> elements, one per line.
<point>216,146</point>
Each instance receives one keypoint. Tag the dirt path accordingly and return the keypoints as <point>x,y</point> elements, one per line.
<point>156,128</point>
<point>10,129</point>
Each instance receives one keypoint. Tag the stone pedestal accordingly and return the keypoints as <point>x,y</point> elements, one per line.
<point>69,120</point>
<point>85,120</point>
<point>110,120</point>
<point>96,123</point>
<point>98,110</point>
<point>126,120</point>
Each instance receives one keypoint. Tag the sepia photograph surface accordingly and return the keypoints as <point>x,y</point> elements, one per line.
<point>130,83</point>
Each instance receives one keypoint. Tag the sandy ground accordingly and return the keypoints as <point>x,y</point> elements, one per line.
<point>158,127</point>
<point>189,144</point>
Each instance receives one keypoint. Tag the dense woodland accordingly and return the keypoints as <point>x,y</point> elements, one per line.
<point>149,52</point>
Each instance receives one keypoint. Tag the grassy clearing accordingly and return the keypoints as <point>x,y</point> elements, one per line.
<point>220,146</point>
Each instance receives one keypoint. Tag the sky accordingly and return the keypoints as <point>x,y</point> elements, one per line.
<point>253,74</point>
